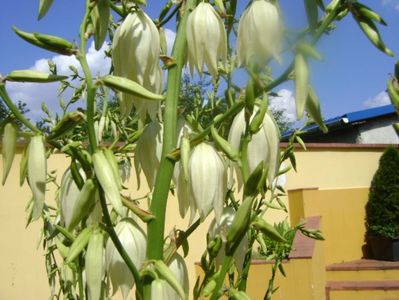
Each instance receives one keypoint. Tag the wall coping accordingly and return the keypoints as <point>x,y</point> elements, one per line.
<point>298,147</point>
<point>340,146</point>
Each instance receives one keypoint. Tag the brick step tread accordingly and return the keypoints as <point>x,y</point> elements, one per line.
<point>364,264</point>
<point>363,285</point>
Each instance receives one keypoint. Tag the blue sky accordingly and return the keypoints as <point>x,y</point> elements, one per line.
<point>351,77</point>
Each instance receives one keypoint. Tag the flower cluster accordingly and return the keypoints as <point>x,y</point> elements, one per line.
<point>259,36</point>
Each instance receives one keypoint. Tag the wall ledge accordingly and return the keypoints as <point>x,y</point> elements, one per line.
<point>340,146</point>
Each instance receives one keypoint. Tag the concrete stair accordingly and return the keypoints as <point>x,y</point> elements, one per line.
<point>363,280</point>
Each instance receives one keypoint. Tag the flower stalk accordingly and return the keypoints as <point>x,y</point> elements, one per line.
<point>91,89</point>
<point>164,175</point>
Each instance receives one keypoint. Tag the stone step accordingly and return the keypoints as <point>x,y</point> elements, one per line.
<point>363,269</point>
<point>362,290</point>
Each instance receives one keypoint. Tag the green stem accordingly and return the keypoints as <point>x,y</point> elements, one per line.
<point>227,261</point>
<point>80,281</point>
<point>14,109</point>
<point>156,227</point>
<point>232,111</point>
<point>114,237</point>
<point>165,172</point>
<point>242,285</point>
<point>91,89</point>
<point>170,16</point>
<point>171,250</point>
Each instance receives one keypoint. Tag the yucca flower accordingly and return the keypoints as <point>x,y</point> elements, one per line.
<point>68,195</point>
<point>148,152</point>
<point>135,55</point>
<point>207,179</point>
<point>259,33</point>
<point>221,228</point>
<point>263,147</point>
<point>206,39</point>
<point>178,266</point>
<point>134,242</point>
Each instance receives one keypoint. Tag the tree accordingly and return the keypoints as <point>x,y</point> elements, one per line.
<point>382,209</point>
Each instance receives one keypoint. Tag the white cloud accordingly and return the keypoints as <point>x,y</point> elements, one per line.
<point>284,102</point>
<point>380,99</point>
<point>393,3</point>
<point>34,93</point>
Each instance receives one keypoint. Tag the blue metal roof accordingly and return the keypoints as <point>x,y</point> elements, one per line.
<point>351,117</point>
<point>369,113</point>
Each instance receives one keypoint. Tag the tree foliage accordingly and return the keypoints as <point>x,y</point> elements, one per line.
<point>382,209</point>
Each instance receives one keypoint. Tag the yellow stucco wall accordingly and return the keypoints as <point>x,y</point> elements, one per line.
<point>343,213</point>
<point>22,266</point>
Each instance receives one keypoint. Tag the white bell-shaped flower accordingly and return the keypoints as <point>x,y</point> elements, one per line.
<point>221,228</point>
<point>178,266</point>
<point>259,33</point>
<point>134,241</point>
<point>206,39</point>
<point>69,194</point>
<point>207,179</point>
<point>148,152</point>
<point>135,55</point>
<point>263,147</point>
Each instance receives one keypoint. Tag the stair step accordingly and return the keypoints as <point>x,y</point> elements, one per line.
<point>363,285</point>
<point>364,264</point>
<point>363,270</point>
<point>373,289</point>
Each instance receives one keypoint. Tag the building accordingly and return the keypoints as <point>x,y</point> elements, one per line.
<point>369,126</point>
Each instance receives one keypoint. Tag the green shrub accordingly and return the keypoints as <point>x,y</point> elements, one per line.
<point>382,209</point>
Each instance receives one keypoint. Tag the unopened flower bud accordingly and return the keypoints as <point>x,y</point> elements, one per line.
<point>148,152</point>
<point>221,228</point>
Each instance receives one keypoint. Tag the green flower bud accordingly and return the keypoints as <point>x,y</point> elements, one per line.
<point>148,152</point>
<point>221,229</point>
<point>37,173</point>
<point>8,148</point>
